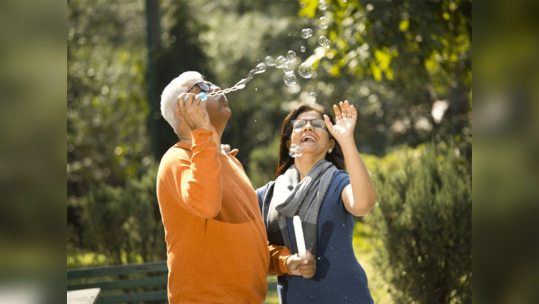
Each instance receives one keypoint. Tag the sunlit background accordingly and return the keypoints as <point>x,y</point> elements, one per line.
<point>406,65</point>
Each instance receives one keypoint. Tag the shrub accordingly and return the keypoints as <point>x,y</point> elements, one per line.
<point>124,223</point>
<point>423,220</point>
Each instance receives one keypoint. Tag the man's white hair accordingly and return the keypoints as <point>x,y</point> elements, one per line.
<point>170,94</point>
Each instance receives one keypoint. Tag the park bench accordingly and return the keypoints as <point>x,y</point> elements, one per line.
<point>126,281</point>
<point>129,279</point>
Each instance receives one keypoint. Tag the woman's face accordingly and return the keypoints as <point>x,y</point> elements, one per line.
<point>313,141</point>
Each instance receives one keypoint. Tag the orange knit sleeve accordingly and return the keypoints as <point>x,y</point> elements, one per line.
<point>278,257</point>
<point>197,181</point>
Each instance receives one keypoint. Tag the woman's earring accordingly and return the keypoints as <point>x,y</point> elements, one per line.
<point>330,150</point>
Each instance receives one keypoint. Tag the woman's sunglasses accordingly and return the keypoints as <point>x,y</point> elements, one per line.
<point>298,124</point>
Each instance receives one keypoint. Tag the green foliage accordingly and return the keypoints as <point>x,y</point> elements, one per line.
<point>106,95</point>
<point>423,220</point>
<point>263,163</point>
<point>407,55</point>
<point>124,223</point>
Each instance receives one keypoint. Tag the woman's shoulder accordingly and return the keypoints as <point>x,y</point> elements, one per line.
<point>340,180</point>
<point>340,176</point>
<point>262,190</point>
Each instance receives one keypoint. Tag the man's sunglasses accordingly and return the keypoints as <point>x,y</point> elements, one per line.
<point>298,124</point>
<point>203,86</point>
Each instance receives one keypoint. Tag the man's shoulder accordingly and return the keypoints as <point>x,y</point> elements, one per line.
<point>173,157</point>
<point>175,153</point>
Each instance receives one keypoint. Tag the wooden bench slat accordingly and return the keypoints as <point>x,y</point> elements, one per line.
<point>123,284</point>
<point>134,297</point>
<point>116,270</point>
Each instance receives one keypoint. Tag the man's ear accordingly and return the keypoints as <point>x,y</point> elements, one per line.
<point>288,144</point>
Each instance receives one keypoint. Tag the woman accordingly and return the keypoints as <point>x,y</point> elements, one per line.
<point>315,186</point>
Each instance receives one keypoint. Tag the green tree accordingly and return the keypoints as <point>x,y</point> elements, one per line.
<point>106,98</point>
<point>407,55</point>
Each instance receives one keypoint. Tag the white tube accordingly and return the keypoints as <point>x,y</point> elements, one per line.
<point>300,240</point>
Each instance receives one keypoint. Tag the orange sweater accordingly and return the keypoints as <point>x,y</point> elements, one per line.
<point>216,239</point>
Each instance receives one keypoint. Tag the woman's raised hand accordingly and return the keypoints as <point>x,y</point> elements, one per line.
<point>345,117</point>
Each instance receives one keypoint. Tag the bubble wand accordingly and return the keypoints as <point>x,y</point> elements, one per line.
<point>299,237</point>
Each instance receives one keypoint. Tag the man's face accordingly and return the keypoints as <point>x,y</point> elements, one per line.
<point>217,106</point>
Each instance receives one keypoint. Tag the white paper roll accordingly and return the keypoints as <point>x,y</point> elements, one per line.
<point>300,240</point>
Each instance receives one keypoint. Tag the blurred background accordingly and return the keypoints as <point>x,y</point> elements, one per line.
<point>405,65</point>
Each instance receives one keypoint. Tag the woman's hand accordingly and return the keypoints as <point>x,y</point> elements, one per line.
<point>225,149</point>
<point>345,117</point>
<point>302,267</point>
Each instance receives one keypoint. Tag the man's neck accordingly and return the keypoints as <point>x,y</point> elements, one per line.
<point>216,136</point>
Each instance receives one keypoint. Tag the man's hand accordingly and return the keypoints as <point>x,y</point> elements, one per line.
<point>225,149</point>
<point>193,111</point>
<point>302,267</point>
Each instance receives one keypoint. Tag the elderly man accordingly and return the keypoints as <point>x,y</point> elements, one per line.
<point>217,246</point>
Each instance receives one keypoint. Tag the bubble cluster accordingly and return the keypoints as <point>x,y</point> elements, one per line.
<point>270,61</point>
<point>306,70</point>
<point>322,5</point>
<point>279,62</point>
<point>295,151</point>
<point>323,23</point>
<point>302,48</point>
<point>306,33</point>
<point>260,68</point>
<point>323,41</point>
<point>313,95</point>
<point>290,80</point>
<point>289,67</point>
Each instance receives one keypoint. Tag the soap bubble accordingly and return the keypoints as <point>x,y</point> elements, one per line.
<point>251,75</point>
<point>302,48</point>
<point>241,84</point>
<point>289,67</point>
<point>306,70</point>
<point>291,55</point>
<point>295,151</point>
<point>279,62</point>
<point>323,41</point>
<point>324,22</point>
<point>290,80</point>
<point>313,95</point>
<point>322,5</point>
<point>260,68</point>
<point>294,62</point>
<point>306,33</point>
<point>270,61</point>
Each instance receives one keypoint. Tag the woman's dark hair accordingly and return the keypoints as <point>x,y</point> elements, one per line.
<point>285,160</point>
